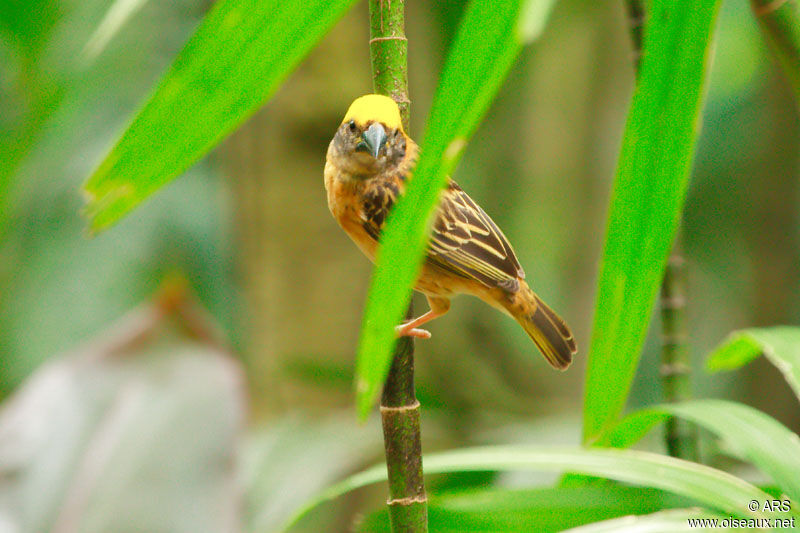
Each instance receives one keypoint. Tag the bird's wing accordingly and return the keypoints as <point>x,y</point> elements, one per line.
<point>464,241</point>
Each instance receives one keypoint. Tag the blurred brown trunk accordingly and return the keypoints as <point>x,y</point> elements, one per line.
<point>246,155</point>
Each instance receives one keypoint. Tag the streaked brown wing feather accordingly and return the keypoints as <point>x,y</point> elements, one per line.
<point>464,240</point>
<point>376,201</point>
<point>467,241</point>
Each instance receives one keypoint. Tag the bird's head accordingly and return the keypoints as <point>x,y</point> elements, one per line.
<point>370,139</point>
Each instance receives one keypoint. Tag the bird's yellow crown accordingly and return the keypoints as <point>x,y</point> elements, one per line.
<point>376,107</point>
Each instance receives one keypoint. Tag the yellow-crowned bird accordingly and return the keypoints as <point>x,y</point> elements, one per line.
<point>369,161</point>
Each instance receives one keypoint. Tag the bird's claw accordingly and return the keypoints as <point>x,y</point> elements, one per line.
<point>403,331</point>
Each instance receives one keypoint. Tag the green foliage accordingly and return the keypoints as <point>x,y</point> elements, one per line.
<point>26,24</point>
<point>234,62</point>
<point>543,509</point>
<point>747,433</point>
<point>646,202</point>
<point>781,345</point>
<point>27,92</point>
<point>47,264</point>
<point>712,488</point>
<point>136,257</point>
<point>174,407</point>
<point>489,39</point>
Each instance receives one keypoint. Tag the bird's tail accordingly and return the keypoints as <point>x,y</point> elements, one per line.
<point>550,333</point>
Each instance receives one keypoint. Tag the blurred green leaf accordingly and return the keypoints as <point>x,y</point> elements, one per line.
<point>781,345</point>
<point>233,63</point>
<point>137,436</point>
<point>287,461</point>
<point>27,24</point>
<point>750,434</point>
<point>104,277</point>
<point>489,39</point>
<point>28,93</point>
<point>649,187</point>
<point>542,510</point>
<point>714,488</point>
<point>669,521</point>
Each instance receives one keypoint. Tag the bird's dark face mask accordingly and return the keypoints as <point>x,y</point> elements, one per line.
<point>369,149</point>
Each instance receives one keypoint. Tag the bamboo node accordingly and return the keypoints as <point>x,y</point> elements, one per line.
<point>408,501</point>
<point>673,302</point>
<point>676,261</point>
<point>388,38</point>
<point>674,369</point>
<point>399,408</point>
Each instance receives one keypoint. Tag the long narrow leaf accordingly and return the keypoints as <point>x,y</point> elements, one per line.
<point>489,38</point>
<point>714,488</point>
<point>231,65</point>
<point>646,202</point>
<point>548,509</point>
<point>781,345</point>
<point>748,433</point>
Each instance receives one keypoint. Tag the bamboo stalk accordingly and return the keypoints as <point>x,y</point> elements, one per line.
<point>780,22</point>
<point>400,412</point>
<point>680,436</point>
<point>388,50</point>
<point>408,503</point>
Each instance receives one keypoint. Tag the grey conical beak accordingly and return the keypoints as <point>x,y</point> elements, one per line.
<point>374,139</point>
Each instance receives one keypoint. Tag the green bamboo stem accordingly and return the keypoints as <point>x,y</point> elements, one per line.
<point>388,49</point>
<point>408,503</point>
<point>400,412</point>
<point>680,436</point>
<point>780,22</point>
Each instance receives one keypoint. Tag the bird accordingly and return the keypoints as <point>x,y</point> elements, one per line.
<point>368,164</point>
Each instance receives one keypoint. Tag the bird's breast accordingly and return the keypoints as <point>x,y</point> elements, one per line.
<point>344,202</point>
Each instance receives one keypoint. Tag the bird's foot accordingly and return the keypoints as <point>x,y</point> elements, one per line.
<point>403,330</point>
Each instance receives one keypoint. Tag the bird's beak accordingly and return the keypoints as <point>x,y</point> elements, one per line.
<point>373,140</point>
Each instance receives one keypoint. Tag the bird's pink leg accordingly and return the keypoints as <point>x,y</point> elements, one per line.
<point>439,306</point>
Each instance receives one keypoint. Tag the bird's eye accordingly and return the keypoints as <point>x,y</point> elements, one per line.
<point>352,125</point>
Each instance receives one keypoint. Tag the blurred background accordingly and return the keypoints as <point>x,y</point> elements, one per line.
<point>257,357</point>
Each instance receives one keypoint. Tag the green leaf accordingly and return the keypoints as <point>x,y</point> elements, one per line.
<point>542,510</point>
<point>713,488</point>
<point>489,38</point>
<point>141,439</point>
<point>646,202</point>
<point>661,522</point>
<point>234,62</point>
<point>30,93</point>
<point>781,345</point>
<point>748,433</point>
